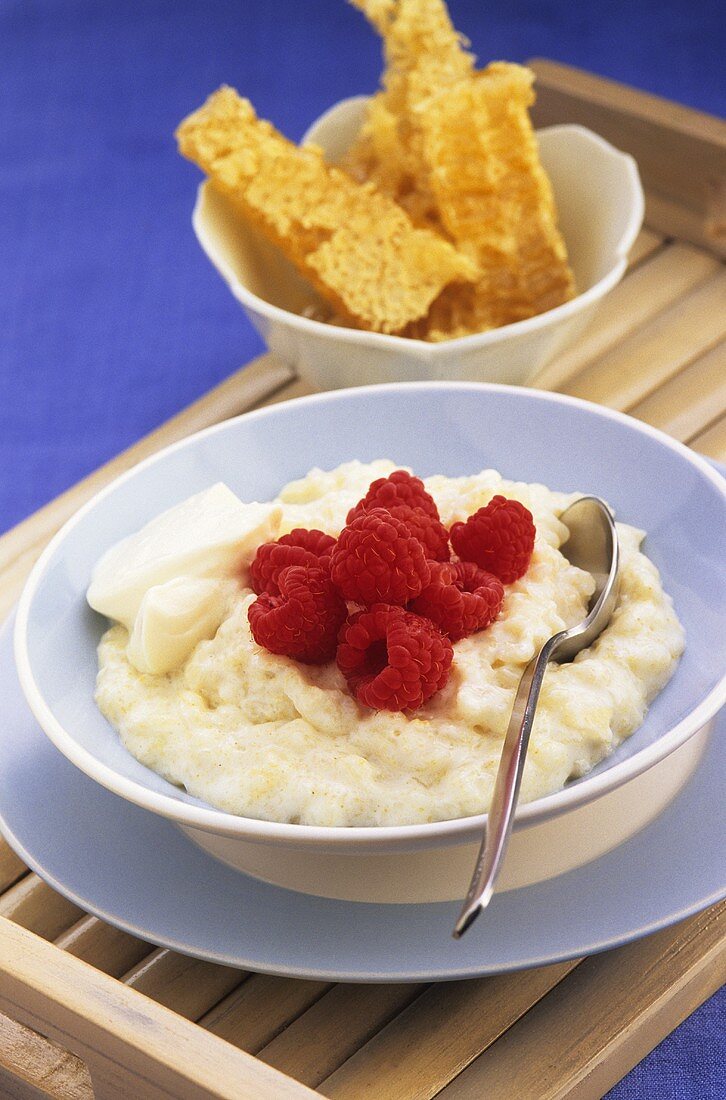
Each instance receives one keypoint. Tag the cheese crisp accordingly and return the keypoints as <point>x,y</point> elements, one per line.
<point>457,149</point>
<point>440,221</point>
<point>268,737</point>
<point>353,243</point>
<point>424,56</point>
<point>495,201</point>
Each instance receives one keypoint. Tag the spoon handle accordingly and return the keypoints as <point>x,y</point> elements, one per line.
<point>506,789</point>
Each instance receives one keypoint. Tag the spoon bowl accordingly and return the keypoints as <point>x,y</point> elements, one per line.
<point>593,546</point>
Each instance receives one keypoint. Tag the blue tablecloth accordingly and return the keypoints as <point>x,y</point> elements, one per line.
<point>110,317</point>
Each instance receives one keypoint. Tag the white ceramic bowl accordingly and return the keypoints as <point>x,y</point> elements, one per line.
<point>651,481</point>
<point>600,204</point>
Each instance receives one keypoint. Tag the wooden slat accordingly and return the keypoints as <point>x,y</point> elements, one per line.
<point>330,1032</point>
<point>131,1046</point>
<point>684,405</point>
<point>107,948</point>
<point>254,1014</point>
<point>21,546</point>
<point>33,905</point>
<point>712,442</point>
<point>646,243</point>
<point>658,350</point>
<point>688,225</point>
<point>680,152</point>
<point>606,1016</point>
<point>31,1068</point>
<point>12,867</point>
<point>439,1035</point>
<point>299,387</point>
<point>188,986</point>
<point>657,283</point>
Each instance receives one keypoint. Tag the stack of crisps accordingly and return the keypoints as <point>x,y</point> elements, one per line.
<point>441,221</point>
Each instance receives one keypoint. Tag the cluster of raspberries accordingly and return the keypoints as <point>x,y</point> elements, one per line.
<point>385,598</point>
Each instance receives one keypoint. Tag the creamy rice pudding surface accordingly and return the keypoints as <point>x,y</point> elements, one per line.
<point>264,736</point>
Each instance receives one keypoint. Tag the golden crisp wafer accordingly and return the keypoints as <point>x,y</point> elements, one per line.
<point>457,150</point>
<point>424,55</point>
<point>495,201</point>
<point>353,243</point>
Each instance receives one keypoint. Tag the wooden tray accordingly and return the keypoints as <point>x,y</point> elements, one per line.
<point>88,1007</point>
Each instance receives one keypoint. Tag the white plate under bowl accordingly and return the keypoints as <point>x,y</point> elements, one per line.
<point>651,481</point>
<point>138,872</point>
<point>600,207</point>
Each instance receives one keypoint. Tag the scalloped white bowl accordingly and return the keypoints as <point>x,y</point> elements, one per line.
<point>600,204</point>
<point>452,428</point>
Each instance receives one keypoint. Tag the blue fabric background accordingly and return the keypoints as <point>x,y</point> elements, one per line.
<point>110,317</point>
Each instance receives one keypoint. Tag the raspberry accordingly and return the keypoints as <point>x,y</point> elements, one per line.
<point>430,532</point>
<point>405,498</point>
<point>498,538</point>
<point>317,542</point>
<point>393,659</point>
<point>300,547</point>
<point>398,488</point>
<point>303,621</point>
<point>378,560</point>
<point>461,599</point>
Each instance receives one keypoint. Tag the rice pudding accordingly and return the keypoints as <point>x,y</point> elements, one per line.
<point>261,735</point>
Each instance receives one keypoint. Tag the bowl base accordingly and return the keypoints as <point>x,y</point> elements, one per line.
<point>536,852</point>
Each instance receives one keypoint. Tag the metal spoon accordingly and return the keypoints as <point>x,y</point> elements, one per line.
<point>592,545</point>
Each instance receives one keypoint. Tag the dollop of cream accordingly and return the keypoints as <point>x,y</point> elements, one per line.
<point>168,583</point>
<point>173,618</point>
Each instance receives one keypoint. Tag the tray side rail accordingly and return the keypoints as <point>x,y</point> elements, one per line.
<point>122,1036</point>
<point>681,153</point>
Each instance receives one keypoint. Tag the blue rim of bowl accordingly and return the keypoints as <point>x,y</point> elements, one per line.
<point>454,831</point>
